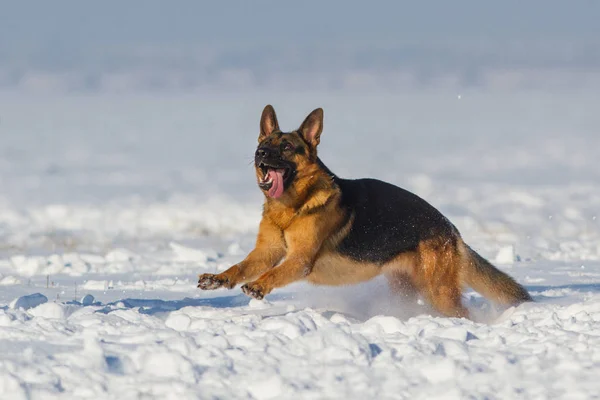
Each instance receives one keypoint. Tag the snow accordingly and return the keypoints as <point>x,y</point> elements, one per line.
<point>111,205</point>
<point>506,255</point>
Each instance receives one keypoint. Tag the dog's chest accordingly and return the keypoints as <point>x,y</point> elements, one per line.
<point>283,217</point>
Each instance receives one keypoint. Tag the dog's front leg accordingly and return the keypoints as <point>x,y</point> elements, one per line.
<point>291,270</point>
<point>269,250</point>
<point>304,239</point>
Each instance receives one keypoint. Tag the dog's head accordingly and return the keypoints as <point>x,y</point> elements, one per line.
<point>281,157</point>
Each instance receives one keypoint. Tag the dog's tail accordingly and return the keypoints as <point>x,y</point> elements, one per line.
<point>478,273</point>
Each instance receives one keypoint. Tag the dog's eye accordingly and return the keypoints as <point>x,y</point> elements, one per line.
<point>287,146</point>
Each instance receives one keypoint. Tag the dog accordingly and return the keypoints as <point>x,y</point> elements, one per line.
<point>328,230</point>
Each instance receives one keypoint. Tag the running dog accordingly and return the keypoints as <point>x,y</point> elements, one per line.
<point>328,230</point>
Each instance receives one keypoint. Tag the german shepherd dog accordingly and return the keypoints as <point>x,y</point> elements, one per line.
<point>328,230</point>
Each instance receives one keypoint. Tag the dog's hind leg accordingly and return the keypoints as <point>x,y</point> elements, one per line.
<point>447,300</point>
<point>437,276</point>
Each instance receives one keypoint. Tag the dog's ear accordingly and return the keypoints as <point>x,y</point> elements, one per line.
<point>268,122</point>
<point>312,127</point>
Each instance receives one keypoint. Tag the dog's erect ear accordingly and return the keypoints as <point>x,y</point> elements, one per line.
<point>268,122</point>
<point>312,127</point>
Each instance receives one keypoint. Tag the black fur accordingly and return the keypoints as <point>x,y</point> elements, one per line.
<point>388,220</point>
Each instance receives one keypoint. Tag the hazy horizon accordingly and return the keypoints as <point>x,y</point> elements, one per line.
<point>112,46</point>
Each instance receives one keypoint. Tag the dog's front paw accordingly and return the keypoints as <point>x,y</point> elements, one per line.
<point>255,290</point>
<point>212,281</point>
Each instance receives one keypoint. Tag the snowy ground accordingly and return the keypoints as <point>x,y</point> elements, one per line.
<point>127,198</point>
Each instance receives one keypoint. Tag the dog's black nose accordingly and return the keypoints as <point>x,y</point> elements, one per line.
<point>263,152</point>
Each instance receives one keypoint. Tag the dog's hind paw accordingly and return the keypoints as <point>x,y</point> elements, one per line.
<point>212,281</point>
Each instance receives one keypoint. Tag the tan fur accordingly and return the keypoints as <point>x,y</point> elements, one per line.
<point>334,270</point>
<point>269,250</point>
<point>438,278</point>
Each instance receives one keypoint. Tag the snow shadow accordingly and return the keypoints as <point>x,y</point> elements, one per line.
<point>153,306</point>
<point>577,287</point>
<point>360,302</point>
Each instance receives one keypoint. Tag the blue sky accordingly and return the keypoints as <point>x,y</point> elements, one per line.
<point>269,37</point>
<point>75,23</point>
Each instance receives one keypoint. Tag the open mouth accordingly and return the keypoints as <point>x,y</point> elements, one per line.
<point>274,178</point>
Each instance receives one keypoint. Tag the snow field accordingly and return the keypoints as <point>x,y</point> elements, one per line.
<point>229,348</point>
<point>111,206</point>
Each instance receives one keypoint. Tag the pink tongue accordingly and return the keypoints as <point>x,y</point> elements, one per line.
<point>276,189</point>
